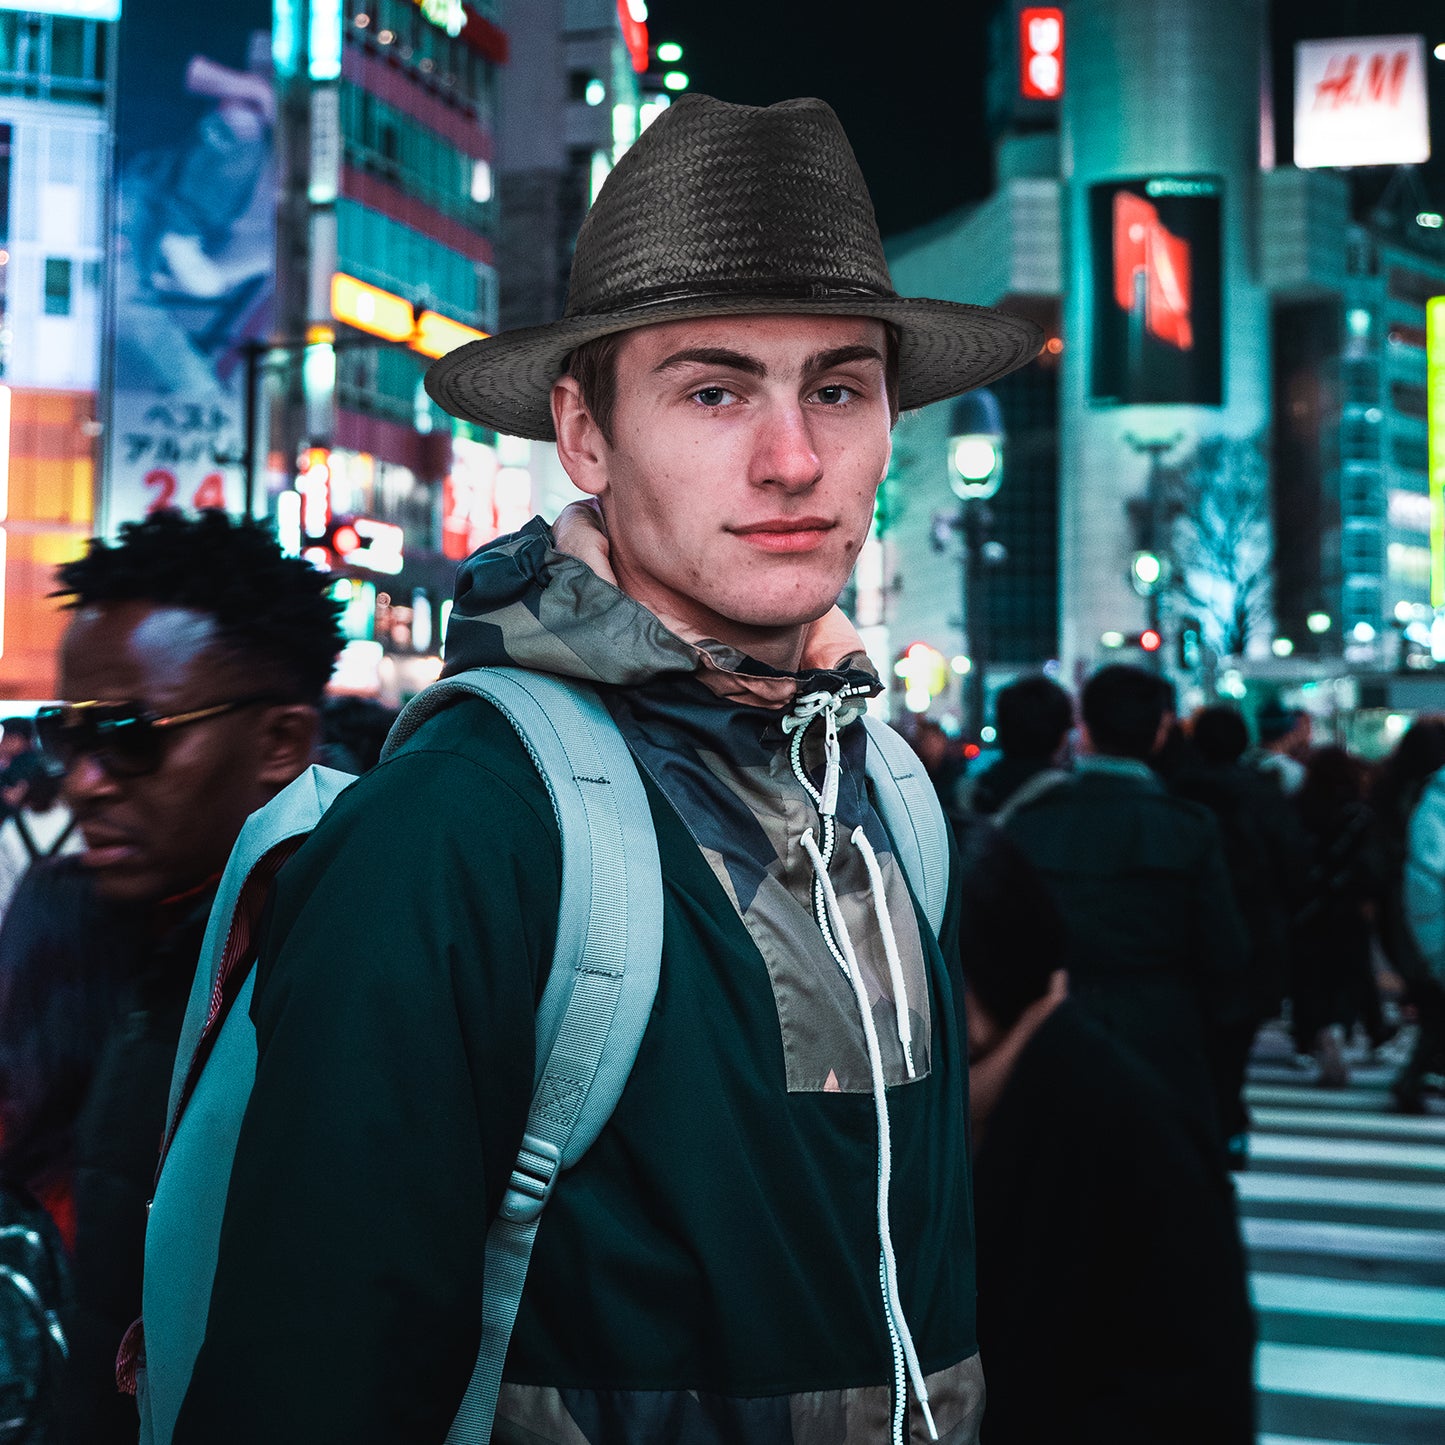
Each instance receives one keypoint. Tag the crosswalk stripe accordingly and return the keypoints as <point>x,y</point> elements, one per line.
<point>1308,1096</point>
<point>1298,1440</point>
<point>1348,1299</point>
<point>1351,1241</point>
<point>1255,1188</point>
<point>1327,1120</point>
<point>1385,1153</point>
<point>1365,1375</point>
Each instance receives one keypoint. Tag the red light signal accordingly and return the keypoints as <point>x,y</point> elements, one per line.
<point>344,541</point>
<point>1150,641</point>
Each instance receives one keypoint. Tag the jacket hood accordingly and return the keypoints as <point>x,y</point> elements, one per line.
<point>521,602</point>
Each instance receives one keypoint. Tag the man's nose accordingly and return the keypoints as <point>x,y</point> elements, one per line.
<point>784,454</point>
<point>87,783</point>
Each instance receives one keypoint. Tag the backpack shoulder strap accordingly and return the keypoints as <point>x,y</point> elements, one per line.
<point>287,818</point>
<point>911,812</point>
<point>603,980</point>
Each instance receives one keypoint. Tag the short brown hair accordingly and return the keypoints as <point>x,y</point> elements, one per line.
<point>593,366</point>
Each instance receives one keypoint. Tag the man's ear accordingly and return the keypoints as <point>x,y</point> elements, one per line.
<point>289,735</point>
<point>581,447</point>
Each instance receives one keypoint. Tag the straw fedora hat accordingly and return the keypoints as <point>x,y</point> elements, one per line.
<point>719,210</point>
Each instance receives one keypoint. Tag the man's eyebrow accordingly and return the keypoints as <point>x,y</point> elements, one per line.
<point>713,356</point>
<point>840,355</point>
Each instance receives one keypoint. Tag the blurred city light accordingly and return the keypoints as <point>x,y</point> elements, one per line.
<point>1318,622</point>
<point>595,93</point>
<point>1363,632</point>
<point>1147,569</point>
<point>437,334</point>
<point>1150,640</point>
<point>1281,647</point>
<point>669,52</point>
<point>1112,639</point>
<point>676,80</point>
<point>974,458</point>
<point>1431,220</point>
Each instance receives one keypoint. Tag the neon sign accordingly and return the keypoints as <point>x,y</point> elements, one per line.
<point>448,15</point>
<point>1435,413</point>
<point>632,15</point>
<point>1041,53</point>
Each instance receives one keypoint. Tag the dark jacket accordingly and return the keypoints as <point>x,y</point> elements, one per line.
<point>1267,855</point>
<point>999,782</point>
<point>117,1144</point>
<point>715,1255</point>
<point>1123,1318</point>
<point>1157,952</point>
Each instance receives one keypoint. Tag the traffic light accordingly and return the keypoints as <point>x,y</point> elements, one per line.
<point>1191,644</point>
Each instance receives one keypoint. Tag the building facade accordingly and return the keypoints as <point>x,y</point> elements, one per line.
<point>1233,402</point>
<point>55,71</point>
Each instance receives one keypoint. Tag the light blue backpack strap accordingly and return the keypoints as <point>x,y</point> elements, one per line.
<point>296,809</point>
<point>604,974</point>
<point>911,812</point>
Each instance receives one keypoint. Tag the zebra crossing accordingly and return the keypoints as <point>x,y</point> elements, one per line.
<point>1343,1216</point>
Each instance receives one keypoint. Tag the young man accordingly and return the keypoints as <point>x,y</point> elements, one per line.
<point>724,384</point>
<point>193,668</point>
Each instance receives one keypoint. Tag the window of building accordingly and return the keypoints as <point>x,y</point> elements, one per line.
<point>58,271</point>
<point>44,56</point>
<point>1409,399</point>
<point>1415,286</point>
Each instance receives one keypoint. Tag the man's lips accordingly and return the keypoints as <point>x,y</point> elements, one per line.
<point>786,534</point>
<point>106,850</point>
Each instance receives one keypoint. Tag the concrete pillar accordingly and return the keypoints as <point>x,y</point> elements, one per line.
<point>1154,88</point>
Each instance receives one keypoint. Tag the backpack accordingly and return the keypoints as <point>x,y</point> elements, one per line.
<point>589,1025</point>
<point>34,1285</point>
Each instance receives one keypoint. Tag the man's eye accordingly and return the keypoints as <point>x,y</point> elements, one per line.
<point>835,395</point>
<point>712,396</point>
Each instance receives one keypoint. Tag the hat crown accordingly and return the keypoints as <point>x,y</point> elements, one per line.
<point>716,198</point>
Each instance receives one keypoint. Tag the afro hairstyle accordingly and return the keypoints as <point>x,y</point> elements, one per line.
<point>268,608</point>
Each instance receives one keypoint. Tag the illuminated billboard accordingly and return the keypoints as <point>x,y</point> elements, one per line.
<point>1041,53</point>
<point>194,272</point>
<point>1361,102</point>
<point>1157,291</point>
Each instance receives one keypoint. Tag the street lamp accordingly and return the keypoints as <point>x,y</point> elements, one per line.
<point>975,473</point>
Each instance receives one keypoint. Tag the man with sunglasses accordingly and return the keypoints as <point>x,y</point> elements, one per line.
<point>193,670</point>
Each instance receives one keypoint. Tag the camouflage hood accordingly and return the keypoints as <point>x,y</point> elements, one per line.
<point>523,603</point>
<point>741,751</point>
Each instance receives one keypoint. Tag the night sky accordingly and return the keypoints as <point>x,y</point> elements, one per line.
<point>906,77</point>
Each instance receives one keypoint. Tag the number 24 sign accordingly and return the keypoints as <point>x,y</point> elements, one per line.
<point>164,488</point>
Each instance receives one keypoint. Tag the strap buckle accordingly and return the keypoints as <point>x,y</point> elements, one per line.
<point>533,1178</point>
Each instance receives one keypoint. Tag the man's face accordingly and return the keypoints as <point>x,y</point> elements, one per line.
<point>739,484</point>
<point>150,837</point>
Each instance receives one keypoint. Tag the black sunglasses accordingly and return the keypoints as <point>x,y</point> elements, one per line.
<point>127,739</point>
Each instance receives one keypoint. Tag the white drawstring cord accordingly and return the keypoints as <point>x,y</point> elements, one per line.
<point>890,946</point>
<point>897,1324</point>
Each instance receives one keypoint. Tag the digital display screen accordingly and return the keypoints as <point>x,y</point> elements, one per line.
<point>1157,307</point>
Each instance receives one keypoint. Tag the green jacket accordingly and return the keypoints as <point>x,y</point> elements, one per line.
<point>712,1264</point>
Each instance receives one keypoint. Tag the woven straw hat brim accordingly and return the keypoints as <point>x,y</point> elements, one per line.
<point>945,348</point>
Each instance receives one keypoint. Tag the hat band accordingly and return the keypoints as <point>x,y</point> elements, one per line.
<point>763,290</point>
